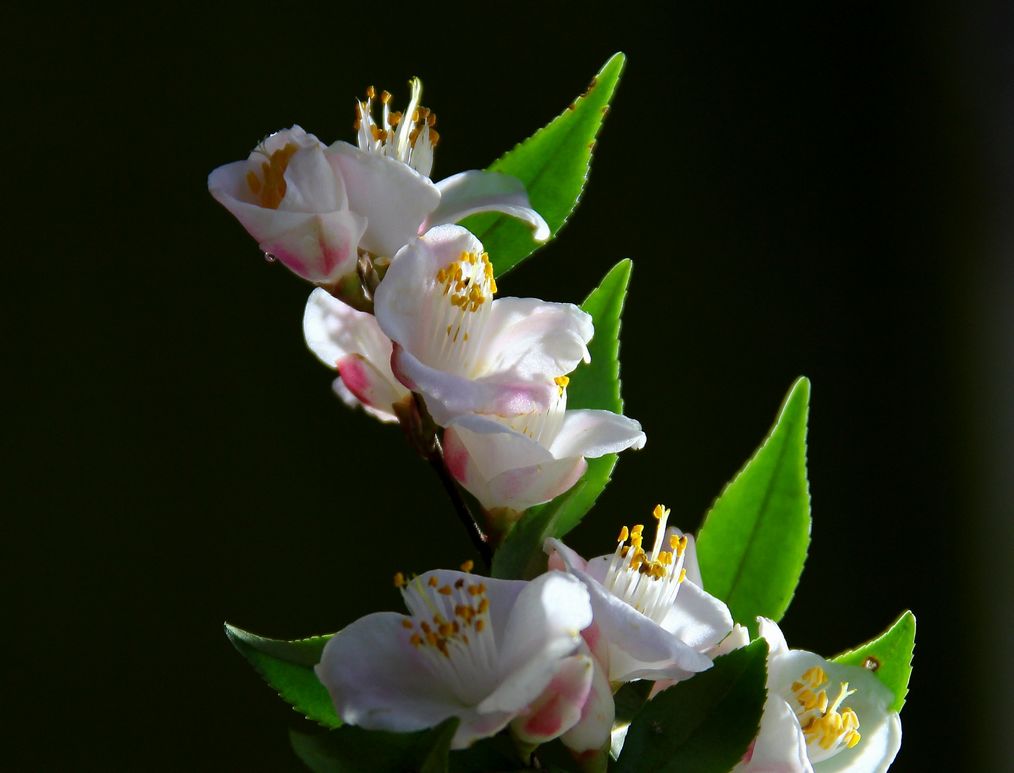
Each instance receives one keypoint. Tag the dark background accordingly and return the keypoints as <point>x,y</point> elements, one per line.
<point>823,193</point>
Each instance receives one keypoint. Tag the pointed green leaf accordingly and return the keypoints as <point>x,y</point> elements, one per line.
<point>889,656</point>
<point>595,385</point>
<point>753,543</point>
<point>355,750</point>
<point>553,164</point>
<point>288,667</point>
<point>704,724</point>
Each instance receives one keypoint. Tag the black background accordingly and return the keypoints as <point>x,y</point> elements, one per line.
<point>823,193</point>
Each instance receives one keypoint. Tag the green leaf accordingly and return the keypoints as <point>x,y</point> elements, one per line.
<point>704,724</point>
<point>355,750</point>
<point>889,656</point>
<point>288,667</point>
<point>595,385</point>
<point>753,543</point>
<point>553,164</point>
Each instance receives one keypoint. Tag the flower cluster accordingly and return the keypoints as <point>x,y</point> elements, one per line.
<point>405,311</point>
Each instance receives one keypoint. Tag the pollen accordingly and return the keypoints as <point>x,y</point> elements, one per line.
<point>825,729</point>
<point>561,384</point>
<point>270,186</point>
<point>467,566</point>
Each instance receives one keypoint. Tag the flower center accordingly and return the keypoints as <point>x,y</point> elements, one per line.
<point>468,287</point>
<point>269,187</point>
<point>544,427</point>
<point>408,137</point>
<point>826,730</point>
<point>648,582</point>
<point>450,626</point>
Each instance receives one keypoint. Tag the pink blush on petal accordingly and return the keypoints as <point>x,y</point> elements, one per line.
<point>547,721</point>
<point>455,457</point>
<point>355,377</point>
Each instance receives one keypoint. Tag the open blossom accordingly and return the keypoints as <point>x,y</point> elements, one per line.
<point>821,716</point>
<point>352,343</point>
<point>483,650</point>
<point>519,461</point>
<point>463,351</point>
<point>651,620</point>
<point>315,207</point>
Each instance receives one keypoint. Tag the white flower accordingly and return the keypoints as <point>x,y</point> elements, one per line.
<point>821,716</point>
<point>483,650</point>
<point>652,620</point>
<point>460,349</point>
<point>352,343</point>
<point>292,198</point>
<point>314,207</point>
<point>523,460</point>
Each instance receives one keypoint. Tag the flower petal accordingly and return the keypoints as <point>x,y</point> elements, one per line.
<point>697,618</point>
<point>379,681</point>
<point>530,338</point>
<point>544,627</point>
<point>593,729</point>
<point>640,648</point>
<point>393,197</point>
<point>503,468</point>
<point>559,706</point>
<point>351,341</point>
<point>770,631</point>
<point>594,433</point>
<point>467,193</point>
<point>875,751</point>
<point>779,746</point>
<point>449,396</point>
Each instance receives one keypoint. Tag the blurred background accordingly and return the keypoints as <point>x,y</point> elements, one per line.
<point>824,193</point>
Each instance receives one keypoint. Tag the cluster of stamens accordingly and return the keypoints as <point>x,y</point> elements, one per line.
<point>269,187</point>
<point>468,282</point>
<point>407,136</point>
<point>647,581</point>
<point>826,730</point>
<point>449,620</point>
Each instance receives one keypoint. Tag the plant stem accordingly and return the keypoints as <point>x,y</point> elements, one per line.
<point>421,433</point>
<point>478,537</point>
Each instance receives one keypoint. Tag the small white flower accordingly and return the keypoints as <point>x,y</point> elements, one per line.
<point>523,460</point>
<point>314,208</point>
<point>463,351</point>
<point>483,650</point>
<point>821,716</point>
<point>652,619</point>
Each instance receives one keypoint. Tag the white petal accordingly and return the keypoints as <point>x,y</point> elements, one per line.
<point>343,393</point>
<point>779,747</point>
<point>697,618</point>
<point>388,686</point>
<point>544,627</point>
<point>596,433</point>
<point>449,396</point>
<point>875,751</point>
<point>593,729</point>
<point>770,631</point>
<point>560,705</point>
<point>311,184</point>
<point>643,649</point>
<point>529,486</point>
<point>475,191</point>
<point>351,341</point>
<point>393,197</point>
<point>503,468</point>
<point>530,337</point>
